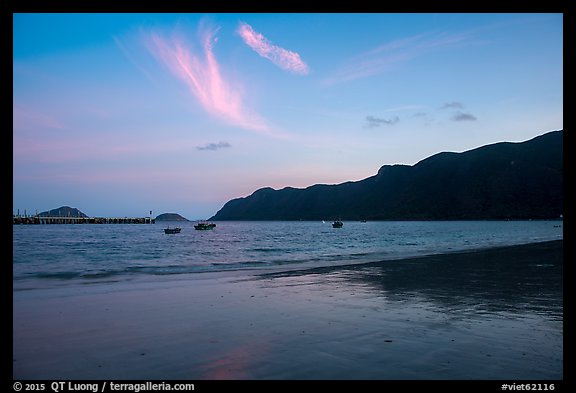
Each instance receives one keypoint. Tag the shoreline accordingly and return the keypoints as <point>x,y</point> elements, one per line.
<point>276,270</point>
<point>491,314</point>
<point>540,246</point>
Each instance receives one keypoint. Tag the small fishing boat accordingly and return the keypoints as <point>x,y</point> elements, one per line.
<point>337,224</point>
<point>204,225</point>
<point>170,231</point>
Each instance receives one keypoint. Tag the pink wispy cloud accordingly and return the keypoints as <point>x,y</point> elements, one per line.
<point>26,118</point>
<point>283,58</point>
<point>202,74</point>
<point>386,57</point>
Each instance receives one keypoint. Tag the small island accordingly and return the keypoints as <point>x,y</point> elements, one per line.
<point>170,217</point>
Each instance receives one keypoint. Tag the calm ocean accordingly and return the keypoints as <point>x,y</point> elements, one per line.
<point>54,255</point>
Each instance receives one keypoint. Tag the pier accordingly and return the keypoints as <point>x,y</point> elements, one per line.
<point>45,220</point>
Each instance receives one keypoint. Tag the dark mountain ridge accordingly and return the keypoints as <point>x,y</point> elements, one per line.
<point>504,180</point>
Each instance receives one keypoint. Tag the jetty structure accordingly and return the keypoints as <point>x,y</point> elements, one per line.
<point>39,219</point>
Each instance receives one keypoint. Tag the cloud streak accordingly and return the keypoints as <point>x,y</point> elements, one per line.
<point>460,116</point>
<point>389,56</point>
<point>201,73</point>
<point>377,122</point>
<point>26,118</point>
<point>453,104</point>
<point>283,58</point>
<point>214,146</point>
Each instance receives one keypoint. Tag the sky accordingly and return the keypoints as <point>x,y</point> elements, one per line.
<point>120,114</point>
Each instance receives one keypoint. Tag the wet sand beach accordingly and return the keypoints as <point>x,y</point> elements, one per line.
<point>494,314</point>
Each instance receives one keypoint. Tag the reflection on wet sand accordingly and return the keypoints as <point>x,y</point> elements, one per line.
<point>489,315</point>
<point>492,314</point>
<point>516,279</point>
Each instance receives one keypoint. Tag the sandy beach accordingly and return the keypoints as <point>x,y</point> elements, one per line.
<point>494,314</point>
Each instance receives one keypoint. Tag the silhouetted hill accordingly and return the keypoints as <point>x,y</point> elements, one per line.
<point>170,217</point>
<point>64,211</point>
<point>498,181</point>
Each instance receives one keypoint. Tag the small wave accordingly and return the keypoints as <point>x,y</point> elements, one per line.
<point>238,264</point>
<point>56,275</point>
<point>270,250</point>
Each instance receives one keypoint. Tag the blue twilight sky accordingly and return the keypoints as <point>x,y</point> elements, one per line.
<point>117,114</point>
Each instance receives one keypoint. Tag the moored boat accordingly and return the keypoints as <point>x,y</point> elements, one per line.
<point>337,224</point>
<point>169,230</point>
<point>204,225</point>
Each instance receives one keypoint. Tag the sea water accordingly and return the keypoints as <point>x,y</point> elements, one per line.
<point>68,254</point>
